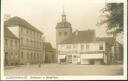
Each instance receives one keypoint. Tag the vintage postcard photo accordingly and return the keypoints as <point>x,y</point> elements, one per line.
<point>64,40</point>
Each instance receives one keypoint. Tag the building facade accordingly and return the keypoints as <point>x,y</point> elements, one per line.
<point>81,47</point>
<point>30,40</point>
<point>11,48</point>
<point>50,53</point>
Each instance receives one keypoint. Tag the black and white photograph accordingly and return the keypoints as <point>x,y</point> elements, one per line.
<point>64,39</point>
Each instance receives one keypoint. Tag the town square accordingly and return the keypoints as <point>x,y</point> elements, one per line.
<point>63,38</point>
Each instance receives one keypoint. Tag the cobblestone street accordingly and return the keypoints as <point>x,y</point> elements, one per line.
<point>63,70</point>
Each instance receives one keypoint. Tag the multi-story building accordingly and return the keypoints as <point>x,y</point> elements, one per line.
<point>11,48</point>
<point>50,53</point>
<point>82,47</point>
<point>30,40</point>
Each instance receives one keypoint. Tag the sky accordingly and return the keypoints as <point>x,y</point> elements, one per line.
<point>45,14</point>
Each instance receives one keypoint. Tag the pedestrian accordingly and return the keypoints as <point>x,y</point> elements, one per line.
<point>39,65</point>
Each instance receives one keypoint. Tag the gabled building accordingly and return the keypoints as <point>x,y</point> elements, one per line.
<point>11,48</point>
<point>30,40</point>
<point>81,47</point>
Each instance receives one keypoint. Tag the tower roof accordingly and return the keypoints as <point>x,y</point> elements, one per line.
<point>63,23</point>
<point>63,11</point>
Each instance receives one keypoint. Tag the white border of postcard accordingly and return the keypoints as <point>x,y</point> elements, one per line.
<point>124,77</point>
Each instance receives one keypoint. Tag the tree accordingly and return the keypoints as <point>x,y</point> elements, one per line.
<point>113,13</point>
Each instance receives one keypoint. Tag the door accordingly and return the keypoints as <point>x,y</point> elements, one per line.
<point>69,59</point>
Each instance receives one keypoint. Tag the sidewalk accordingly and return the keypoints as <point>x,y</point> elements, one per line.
<point>10,67</point>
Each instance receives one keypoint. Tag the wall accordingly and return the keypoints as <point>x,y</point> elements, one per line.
<point>11,49</point>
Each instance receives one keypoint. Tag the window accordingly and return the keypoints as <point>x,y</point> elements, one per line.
<point>11,55</point>
<point>69,56</point>
<point>27,55</point>
<point>31,44</point>
<point>82,47</point>
<point>31,55</point>
<point>11,43</point>
<point>6,42</point>
<point>26,31</point>
<point>61,46</point>
<point>75,56</point>
<point>74,46</point>
<point>16,55</point>
<point>16,42</point>
<point>27,42</point>
<point>87,47</point>
<point>21,40</point>
<point>65,33</point>
<point>101,47</point>
<point>22,55</point>
<point>21,29</point>
<point>68,46</point>
<point>59,33</point>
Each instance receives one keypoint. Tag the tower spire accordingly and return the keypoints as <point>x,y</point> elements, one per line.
<point>63,15</point>
<point>63,11</point>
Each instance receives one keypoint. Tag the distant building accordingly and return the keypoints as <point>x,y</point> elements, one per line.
<point>81,47</point>
<point>50,53</point>
<point>11,48</point>
<point>30,40</point>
